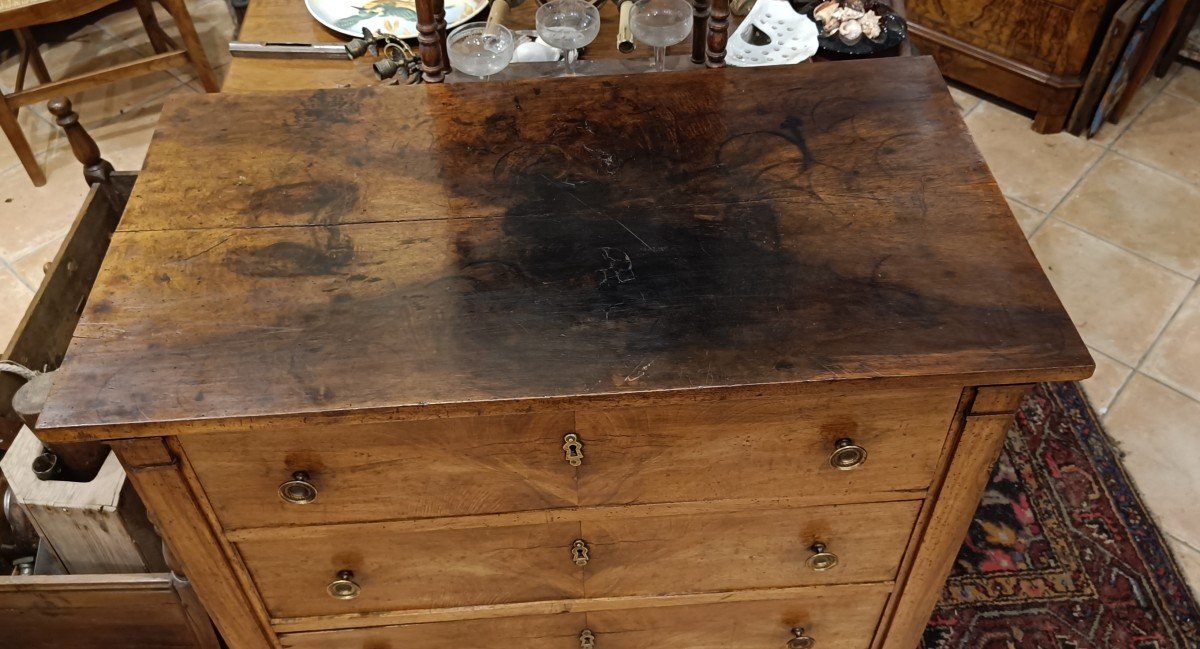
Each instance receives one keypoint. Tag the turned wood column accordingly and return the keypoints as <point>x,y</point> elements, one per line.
<point>431,39</point>
<point>699,30</point>
<point>718,33</point>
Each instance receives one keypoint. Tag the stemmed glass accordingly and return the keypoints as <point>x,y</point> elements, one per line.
<point>568,25</point>
<point>660,24</point>
<point>481,50</point>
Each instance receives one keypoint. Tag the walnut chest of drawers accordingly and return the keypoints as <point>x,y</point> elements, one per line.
<point>712,359</point>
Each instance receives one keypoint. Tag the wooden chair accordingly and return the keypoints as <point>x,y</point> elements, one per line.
<point>710,34</point>
<point>20,15</point>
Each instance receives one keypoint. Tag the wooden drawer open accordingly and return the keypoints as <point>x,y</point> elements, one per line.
<point>843,617</point>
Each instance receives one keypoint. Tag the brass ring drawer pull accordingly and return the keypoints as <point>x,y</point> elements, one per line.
<point>344,587</point>
<point>573,449</point>
<point>298,490</point>
<point>587,639</point>
<point>820,561</point>
<point>800,641</point>
<point>579,553</point>
<point>847,455</point>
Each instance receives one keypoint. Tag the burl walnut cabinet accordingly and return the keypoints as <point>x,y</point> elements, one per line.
<point>714,359</point>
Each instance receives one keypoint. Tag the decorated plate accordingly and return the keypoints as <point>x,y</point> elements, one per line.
<point>396,17</point>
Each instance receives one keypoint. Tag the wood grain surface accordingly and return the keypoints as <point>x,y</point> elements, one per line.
<point>764,448</point>
<point>542,243</point>
<point>528,632</point>
<point>401,470</point>
<point>421,570</point>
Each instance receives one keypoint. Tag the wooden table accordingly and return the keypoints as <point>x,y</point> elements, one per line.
<point>288,21</point>
<point>717,358</point>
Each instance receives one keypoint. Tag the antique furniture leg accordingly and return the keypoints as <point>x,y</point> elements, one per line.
<point>718,33</point>
<point>158,38</point>
<point>439,17</point>
<point>192,44</point>
<point>158,476</point>
<point>20,145</point>
<point>29,47</point>
<point>430,41</point>
<point>699,29</point>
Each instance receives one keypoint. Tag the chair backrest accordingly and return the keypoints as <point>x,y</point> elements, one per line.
<point>710,34</point>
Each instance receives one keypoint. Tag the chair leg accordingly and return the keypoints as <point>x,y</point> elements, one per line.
<point>8,123</point>
<point>29,44</point>
<point>153,30</point>
<point>192,43</point>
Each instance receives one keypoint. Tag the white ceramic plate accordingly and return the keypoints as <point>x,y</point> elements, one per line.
<point>397,17</point>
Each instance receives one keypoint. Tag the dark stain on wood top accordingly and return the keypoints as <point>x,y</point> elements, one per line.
<point>418,252</point>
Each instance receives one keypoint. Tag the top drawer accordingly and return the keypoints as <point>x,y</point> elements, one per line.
<point>757,449</point>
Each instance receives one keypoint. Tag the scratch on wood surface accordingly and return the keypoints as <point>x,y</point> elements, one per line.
<point>638,372</point>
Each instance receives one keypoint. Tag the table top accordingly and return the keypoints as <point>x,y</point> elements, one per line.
<point>413,252</point>
<point>288,21</point>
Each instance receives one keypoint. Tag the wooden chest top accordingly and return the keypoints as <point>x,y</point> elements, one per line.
<point>420,252</point>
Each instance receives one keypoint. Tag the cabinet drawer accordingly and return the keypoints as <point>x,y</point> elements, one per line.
<point>840,617</point>
<point>746,550</point>
<point>399,470</point>
<point>766,448</point>
<point>530,632</point>
<point>414,570</point>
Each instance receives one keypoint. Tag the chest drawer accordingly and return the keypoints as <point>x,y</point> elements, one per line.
<point>413,570</point>
<point>771,548</point>
<point>765,448</point>
<point>399,470</point>
<point>840,617</point>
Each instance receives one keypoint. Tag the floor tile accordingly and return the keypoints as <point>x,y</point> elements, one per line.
<point>211,17</point>
<point>30,216</point>
<point>1175,359</point>
<point>1109,378</point>
<point>14,299</point>
<point>1028,217</point>
<point>963,97</point>
<point>1155,427</point>
<point>1118,300</point>
<point>31,267</point>
<point>1150,90</point>
<point>38,131</point>
<point>1186,83</point>
<point>1141,209</point>
<point>1188,558</point>
<point>1165,136</point>
<point>1036,169</point>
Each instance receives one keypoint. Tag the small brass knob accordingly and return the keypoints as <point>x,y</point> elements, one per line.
<point>820,561</point>
<point>800,641</point>
<point>298,490</point>
<point>847,455</point>
<point>344,587</point>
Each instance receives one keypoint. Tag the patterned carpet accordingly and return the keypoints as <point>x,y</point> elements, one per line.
<point>1062,554</point>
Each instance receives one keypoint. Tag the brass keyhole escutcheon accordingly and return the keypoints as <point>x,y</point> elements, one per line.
<point>299,490</point>
<point>820,561</point>
<point>800,641</point>
<point>847,455</point>
<point>573,449</point>
<point>344,587</point>
<point>587,639</point>
<point>579,553</point>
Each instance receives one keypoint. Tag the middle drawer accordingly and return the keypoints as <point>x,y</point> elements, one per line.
<point>395,568</point>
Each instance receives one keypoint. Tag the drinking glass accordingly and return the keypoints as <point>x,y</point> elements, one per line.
<point>480,50</point>
<point>660,24</point>
<point>568,25</point>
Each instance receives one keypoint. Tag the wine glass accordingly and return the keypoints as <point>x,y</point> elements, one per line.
<point>568,25</point>
<point>480,50</point>
<point>660,24</point>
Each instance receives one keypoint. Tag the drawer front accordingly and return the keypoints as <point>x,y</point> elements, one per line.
<point>843,621</point>
<point>843,617</point>
<point>387,471</point>
<point>765,448</point>
<point>746,550</point>
<point>414,570</point>
<point>531,632</point>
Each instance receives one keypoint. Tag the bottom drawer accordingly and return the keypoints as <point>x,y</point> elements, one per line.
<point>836,617</point>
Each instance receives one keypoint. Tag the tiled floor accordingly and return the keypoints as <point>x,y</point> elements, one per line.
<point>1114,220</point>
